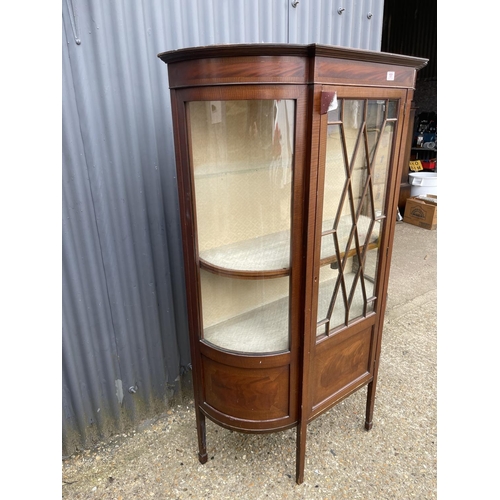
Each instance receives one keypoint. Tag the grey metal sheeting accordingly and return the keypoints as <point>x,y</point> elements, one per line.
<point>125,339</point>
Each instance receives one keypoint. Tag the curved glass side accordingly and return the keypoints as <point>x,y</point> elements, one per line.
<point>241,152</point>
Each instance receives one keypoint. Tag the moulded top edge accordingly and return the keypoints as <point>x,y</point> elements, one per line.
<point>286,49</point>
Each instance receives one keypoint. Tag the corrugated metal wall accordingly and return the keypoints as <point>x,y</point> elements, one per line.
<point>348,23</point>
<point>125,336</point>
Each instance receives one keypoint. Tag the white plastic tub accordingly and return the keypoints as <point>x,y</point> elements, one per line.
<point>423,183</point>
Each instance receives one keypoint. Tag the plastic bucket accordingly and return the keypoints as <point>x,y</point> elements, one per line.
<point>423,183</point>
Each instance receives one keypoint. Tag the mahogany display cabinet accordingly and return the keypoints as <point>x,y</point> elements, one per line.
<point>289,160</point>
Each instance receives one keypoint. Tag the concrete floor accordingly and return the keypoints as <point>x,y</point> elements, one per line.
<point>397,459</point>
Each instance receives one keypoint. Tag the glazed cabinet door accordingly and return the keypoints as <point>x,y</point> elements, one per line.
<point>359,144</point>
<point>243,179</point>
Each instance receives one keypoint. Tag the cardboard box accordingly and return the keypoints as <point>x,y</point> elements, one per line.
<point>422,211</point>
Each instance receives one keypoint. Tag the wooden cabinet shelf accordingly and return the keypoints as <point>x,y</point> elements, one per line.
<point>261,330</point>
<point>264,329</point>
<point>266,256</point>
<point>288,159</point>
<point>269,255</point>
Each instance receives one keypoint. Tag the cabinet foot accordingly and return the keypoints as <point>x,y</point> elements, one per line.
<point>301,452</point>
<point>370,402</point>
<point>202,444</point>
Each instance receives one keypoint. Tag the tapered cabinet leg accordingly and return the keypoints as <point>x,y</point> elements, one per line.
<point>301,452</point>
<point>370,404</point>
<point>202,436</point>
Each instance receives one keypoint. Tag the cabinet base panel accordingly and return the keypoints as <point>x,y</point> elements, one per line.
<point>239,425</point>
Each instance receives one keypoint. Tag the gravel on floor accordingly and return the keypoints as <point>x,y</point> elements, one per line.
<point>397,459</point>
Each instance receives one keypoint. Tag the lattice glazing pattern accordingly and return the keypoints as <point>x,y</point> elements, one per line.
<point>359,144</point>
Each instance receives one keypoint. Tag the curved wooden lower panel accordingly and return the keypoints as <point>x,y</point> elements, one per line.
<point>248,426</point>
<point>247,398</point>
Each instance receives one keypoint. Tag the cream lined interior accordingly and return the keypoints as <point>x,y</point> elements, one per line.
<point>242,161</point>
<point>242,154</point>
